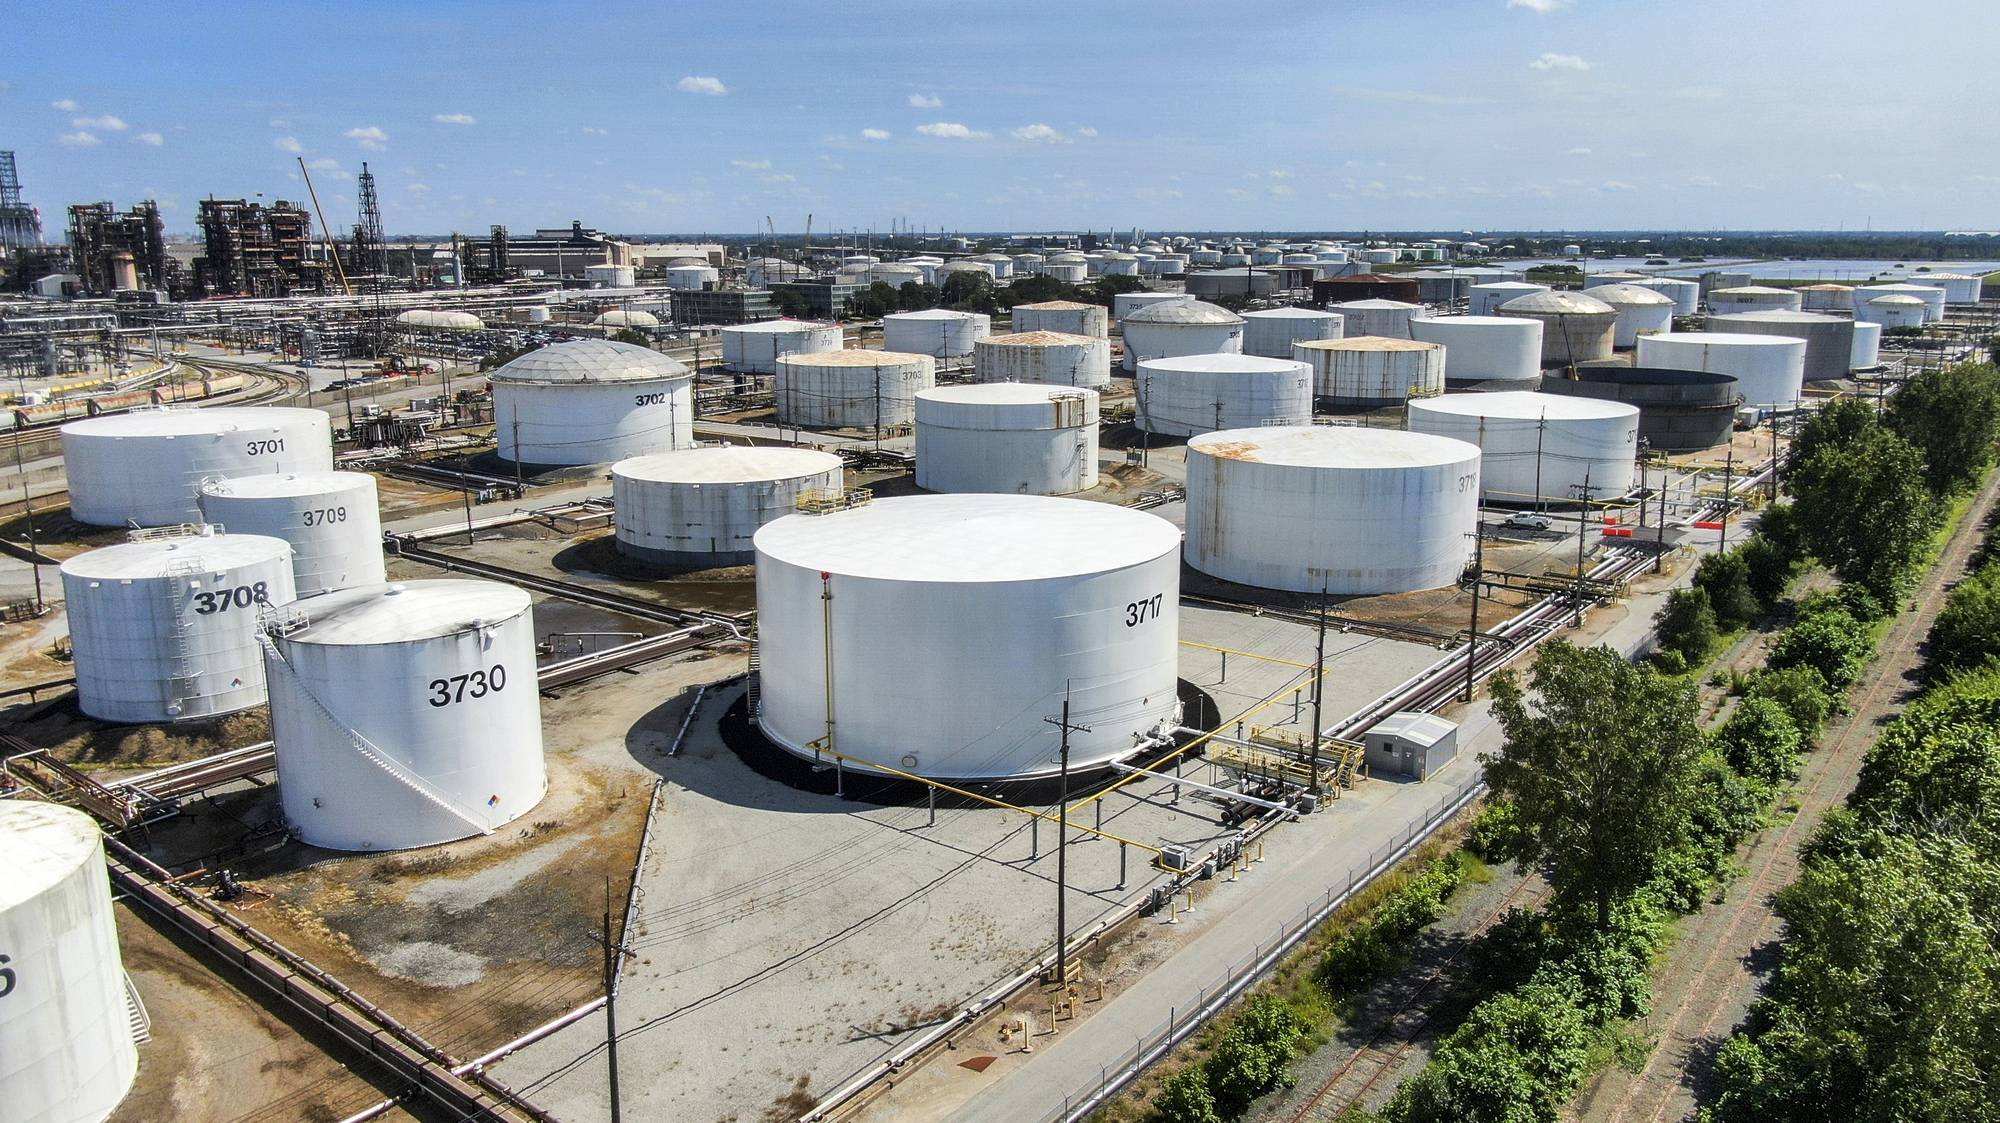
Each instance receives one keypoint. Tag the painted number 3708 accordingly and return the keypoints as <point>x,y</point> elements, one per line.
<point>1140,611</point>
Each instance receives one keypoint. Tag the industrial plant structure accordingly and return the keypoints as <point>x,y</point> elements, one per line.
<point>1769,369</point>
<point>1043,356</point>
<point>1371,370</point>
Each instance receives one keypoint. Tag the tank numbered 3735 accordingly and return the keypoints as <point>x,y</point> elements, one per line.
<point>475,684</point>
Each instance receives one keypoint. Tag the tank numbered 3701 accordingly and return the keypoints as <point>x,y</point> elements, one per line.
<point>1140,611</point>
<point>477,684</point>
<point>222,600</point>
<point>260,447</point>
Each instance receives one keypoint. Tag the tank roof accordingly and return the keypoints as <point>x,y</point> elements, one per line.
<point>591,360</point>
<point>1002,393</point>
<point>1626,294</point>
<point>1615,371</point>
<point>1038,339</point>
<point>142,560</point>
<point>1182,312</point>
<point>190,422</point>
<point>1059,306</point>
<point>1525,405</point>
<point>1558,303</point>
<point>1511,285</point>
<point>726,464</point>
<point>762,326</point>
<point>1919,278</point>
<point>1291,314</point>
<point>40,844</point>
<point>1334,446</point>
<point>853,357</point>
<point>1748,290</point>
<point>1904,287</point>
<point>1897,299</point>
<point>1510,323</point>
<point>407,611</point>
<point>1224,363</point>
<point>1368,343</point>
<point>1828,287</point>
<point>1376,304</point>
<point>1778,316</point>
<point>628,317</point>
<point>286,485</point>
<point>1730,338</point>
<point>931,314</point>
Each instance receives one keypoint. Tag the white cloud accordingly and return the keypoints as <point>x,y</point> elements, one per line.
<point>153,139</point>
<point>324,164</point>
<point>1085,131</point>
<point>78,139</point>
<point>1703,181</point>
<point>369,137</point>
<point>418,188</point>
<point>952,130</point>
<point>65,104</point>
<point>106,122</point>
<point>454,118</point>
<point>751,165</point>
<point>280,123</point>
<point>288,144</point>
<point>1039,134</point>
<point>925,101</point>
<point>1577,152</point>
<point>874,134</point>
<point>592,130</point>
<point>1282,173</point>
<point>1283,191</point>
<point>698,84</point>
<point>1552,61</point>
<point>1540,7</point>
<point>1617,185</point>
<point>780,178</point>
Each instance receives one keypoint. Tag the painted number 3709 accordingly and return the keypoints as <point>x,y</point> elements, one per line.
<point>1140,611</point>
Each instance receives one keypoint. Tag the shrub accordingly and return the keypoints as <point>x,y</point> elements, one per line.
<point>1829,641</point>
<point>1767,570</point>
<point>1184,1098</point>
<point>1496,832</point>
<point>1686,625</point>
<point>1967,632</point>
<point>1517,1059</point>
<point>1802,693</point>
<point>1363,951</point>
<point>1725,577</point>
<point>1761,741</point>
<point>1255,1054</point>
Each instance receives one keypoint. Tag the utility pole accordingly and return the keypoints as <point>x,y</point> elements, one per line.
<point>28,510</point>
<point>1062,841</point>
<point>612,955</point>
<point>1660,524</point>
<point>1774,455</point>
<point>1540,428</point>
<point>1728,472</point>
<point>1585,492</point>
<point>1319,681</point>
<point>1472,629</point>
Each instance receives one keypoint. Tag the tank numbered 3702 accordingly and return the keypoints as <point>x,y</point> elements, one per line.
<point>459,688</point>
<point>1140,611</point>
<point>222,600</point>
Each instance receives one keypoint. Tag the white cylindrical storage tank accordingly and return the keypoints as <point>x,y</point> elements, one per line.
<point>1272,333</point>
<point>1527,438</point>
<point>978,268</point>
<point>1896,311</point>
<point>1070,317</point>
<point>591,401</point>
<point>1390,318</point>
<point>627,318</point>
<point>764,271</point>
<point>1267,255</point>
<point>1068,272</point>
<point>1829,339</point>
<point>166,630</point>
<point>692,278</point>
<point>851,389</point>
<point>1372,369</point>
<point>861,259</point>
<point>146,467</point>
<point>754,348</point>
<point>430,319</point>
<point>1181,327</point>
<point>1168,264</point>
<point>1231,282</point>
<point>1234,260</point>
<point>1378,256</point>
<point>1125,303</point>
<point>1204,257</point>
<point>1119,265</point>
<point>1959,288</point>
<point>1007,437</point>
<point>1299,259</point>
<point>610,276</point>
<point>1641,311</point>
<point>1770,370</point>
<point>1827,298</point>
<point>1189,394</point>
<point>1485,348</point>
<point>1484,300</point>
<point>331,520</point>
<point>702,506</point>
<point>1753,298</point>
<point>1867,353</point>
<point>1000,264</point>
<point>1932,298</point>
<point>1028,263</point>
<point>1685,294</point>
<point>66,1051</point>
<point>937,332</point>
<point>1043,356</point>
<point>1076,600</point>
<point>1575,328</point>
<point>406,715</point>
<point>1353,510</point>
<point>894,275</point>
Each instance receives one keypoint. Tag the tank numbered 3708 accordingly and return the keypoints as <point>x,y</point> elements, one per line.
<point>222,600</point>
<point>476,684</point>
<point>1140,611</point>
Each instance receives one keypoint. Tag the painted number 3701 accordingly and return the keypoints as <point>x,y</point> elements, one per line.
<point>1140,611</point>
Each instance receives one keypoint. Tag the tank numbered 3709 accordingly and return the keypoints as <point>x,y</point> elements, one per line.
<point>320,516</point>
<point>222,600</point>
<point>1140,611</point>
<point>476,684</point>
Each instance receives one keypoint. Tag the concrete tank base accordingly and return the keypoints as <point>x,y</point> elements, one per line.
<point>687,559</point>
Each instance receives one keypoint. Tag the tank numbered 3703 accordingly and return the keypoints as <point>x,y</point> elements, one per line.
<point>222,600</point>
<point>1140,611</point>
<point>459,688</point>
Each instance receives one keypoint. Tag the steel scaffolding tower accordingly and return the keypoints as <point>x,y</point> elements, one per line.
<point>20,224</point>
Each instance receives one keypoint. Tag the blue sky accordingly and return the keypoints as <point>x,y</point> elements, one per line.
<point>705,117</point>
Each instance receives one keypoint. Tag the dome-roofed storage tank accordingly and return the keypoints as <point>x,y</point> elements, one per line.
<point>1355,510</point>
<point>1641,311</point>
<point>762,272</point>
<point>165,629</point>
<point>427,319</point>
<point>1575,328</point>
<point>1272,332</point>
<point>754,348</point>
<point>937,332</point>
<point>1069,317</point>
<point>702,506</point>
<point>1212,283</point>
<point>627,318</point>
<point>692,277</point>
<point>1043,356</point>
<point>1007,437</point>
<point>1387,318</point>
<point>407,714</point>
<point>1069,272</point>
<point>1180,327</point>
<point>1532,440</point>
<point>1486,299</point>
<point>331,520</point>
<point>1189,394</point>
<point>1372,370</point>
<point>1119,265</point>
<point>1491,352</point>
<point>1753,298</point>
<point>1685,294</point>
<point>1865,308</point>
<point>1827,298</point>
<point>1679,410</point>
<point>1769,369</point>
<point>1959,288</point>
<point>1829,339</point>
<point>591,401</point>
<point>611,275</point>
<point>851,389</point>
<point>894,275</point>
<point>1073,600</point>
<point>146,467</point>
<point>1895,311</point>
<point>1867,352</point>
<point>1123,304</point>
<point>66,1051</point>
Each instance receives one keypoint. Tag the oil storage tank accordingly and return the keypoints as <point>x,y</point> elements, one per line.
<point>1390,318</point>
<point>1829,339</point>
<point>1685,294</point>
<point>66,1048</point>
<point>1123,304</point>
<point>1354,510</point>
<point>1180,327</point>
<point>1641,311</point>
<point>1484,300</point>
<point>1753,298</point>
<point>1212,283</point>
<point>1827,298</point>
<point>937,332</point>
<point>1866,308</point>
<point>755,348</point>
<point>702,506</point>
<point>1372,370</point>
<point>1534,443</point>
<point>407,714</point>
<point>851,389</point>
<point>591,401</point>
<point>165,629</point>
<point>1366,286</point>
<point>1679,410</point>
<point>1271,333</point>
<point>1769,369</point>
<point>1867,352</point>
<point>1488,352</point>
<point>1575,328</point>
<point>1074,600</point>
<point>1043,356</point>
<point>1012,437</point>
<point>1189,394</point>
<point>145,468</point>
<point>1070,317</point>
<point>1893,311</point>
<point>331,520</point>
<point>1959,288</point>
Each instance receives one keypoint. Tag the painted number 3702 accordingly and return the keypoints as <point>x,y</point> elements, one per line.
<point>1140,611</point>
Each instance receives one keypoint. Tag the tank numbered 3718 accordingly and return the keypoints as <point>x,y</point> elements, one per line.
<point>222,600</point>
<point>1140,611</point>
<point>477,684</point>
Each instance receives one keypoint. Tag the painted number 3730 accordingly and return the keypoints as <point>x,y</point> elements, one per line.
<point>477,684</point>
<point>1140,611</point>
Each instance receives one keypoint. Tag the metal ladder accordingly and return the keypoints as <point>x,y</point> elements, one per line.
<point>136,1018</point>
<point>752,681</point>
<point>183,573</point>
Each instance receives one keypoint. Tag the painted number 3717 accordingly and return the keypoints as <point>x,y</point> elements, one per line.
<point>1140,611</point>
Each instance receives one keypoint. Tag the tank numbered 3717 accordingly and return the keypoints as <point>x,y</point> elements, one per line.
<point>1140,611</point>
<point>475,684</point>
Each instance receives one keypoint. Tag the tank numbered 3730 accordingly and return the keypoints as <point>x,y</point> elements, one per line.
<point>476,684</point>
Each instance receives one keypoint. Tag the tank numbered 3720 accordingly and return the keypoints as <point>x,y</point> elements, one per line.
<point>222,600</point>
<point>1140,611</point>
<point>476,684</point>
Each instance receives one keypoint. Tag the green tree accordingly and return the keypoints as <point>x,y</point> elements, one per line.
<point>1601,769</point>
<point>1725,577</point>
<point>791,303</point>
<point>1105,288</point>
<point>967,291</point>
<point>1802,693</point>
<point>1686,626</point>
<point>1517,1058</point>
<point>627,335</point>
<point>1037,289</point>
<point>1255,1054</point>
<point>1831,642</point>
<point>1184,1098</point>
<point>1952,415</point>
<point>1761,742</point>
<point>1838,423</point>
<point>1866,509</point>
<point>1966,632</point>
<point>916,296</point>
